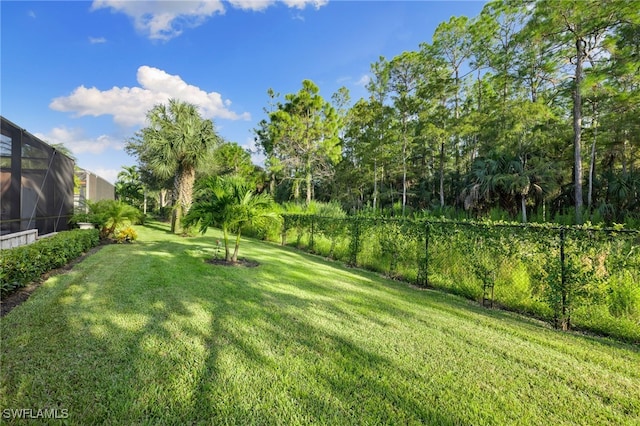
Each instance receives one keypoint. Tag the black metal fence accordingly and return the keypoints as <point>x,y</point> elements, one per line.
<point>36,183</point>
<point>573,277</point>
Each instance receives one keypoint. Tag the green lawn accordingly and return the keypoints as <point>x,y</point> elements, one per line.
<point>148,333</point>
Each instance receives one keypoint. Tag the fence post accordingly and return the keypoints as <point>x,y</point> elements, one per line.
<point>426,254</point>
<point>563,282</point>
<point>423,273</point>
<point>284,231</point>
<point>311,238</point>
<point>354,245</point>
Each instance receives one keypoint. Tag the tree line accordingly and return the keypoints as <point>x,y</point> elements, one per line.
<point>530,109</point>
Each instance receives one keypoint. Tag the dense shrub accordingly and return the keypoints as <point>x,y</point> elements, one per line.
<point>163,213</point>
<point>109,215</point>
<point>581,277</point>
<point>24,264</point>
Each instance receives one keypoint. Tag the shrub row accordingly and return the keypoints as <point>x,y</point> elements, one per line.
<point>21,265</point>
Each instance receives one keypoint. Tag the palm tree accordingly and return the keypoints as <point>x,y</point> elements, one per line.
<point>484,176</point>
<point>522,182</point>
<point>506,178</point>
<point>175,144</point>
<point>231,204</point>
<point>129,187</point>
<point>110,214</point>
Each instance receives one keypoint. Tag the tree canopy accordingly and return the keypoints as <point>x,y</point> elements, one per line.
<point>175,143</point>
<point>300,138</point>
<point>531,108</point>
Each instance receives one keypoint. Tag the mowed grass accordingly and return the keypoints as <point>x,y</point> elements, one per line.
<point>149,333</point>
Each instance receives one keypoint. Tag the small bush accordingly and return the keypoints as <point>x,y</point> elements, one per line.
<point>111,214</point>
<point>141,219</point>
<point>126,235</point>
<point>22,265</point>
<point>163,214</point>
<point>331,209</point>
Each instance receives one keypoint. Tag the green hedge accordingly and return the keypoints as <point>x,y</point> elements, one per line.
<point>21,265</point>
<point>579,277</point>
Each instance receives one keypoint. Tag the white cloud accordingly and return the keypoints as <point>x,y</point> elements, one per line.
<point>255,5</point>
<point>78,142</point>
<point>301,4</point>
<point>164,20</point>
<point>263,4</point>
<point>31,14</point>
<point>97,40</point>
<point>257,157</point>
<point>364,80</point>
<point>110,175</point>
<point>129,105</point>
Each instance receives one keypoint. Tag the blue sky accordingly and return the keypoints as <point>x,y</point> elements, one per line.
<point>84,73</point>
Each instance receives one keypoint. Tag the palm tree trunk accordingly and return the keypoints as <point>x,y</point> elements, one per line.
<point>523,205</point>
<point>175,221</point>
<point>234,258</point>
<point>163,198</point>
<point>183,182</point>
<point>225,237</point>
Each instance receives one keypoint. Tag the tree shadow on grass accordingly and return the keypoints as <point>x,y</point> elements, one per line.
<point>297,373</point>
<point>158,226</point>
<point>193,344</point>
<point>170,347</point>
<point>451,303</point>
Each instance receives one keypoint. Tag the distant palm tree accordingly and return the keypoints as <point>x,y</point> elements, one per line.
<point>129,187</point>
<point>486,182</point>
<point>624,191</point>
<point>505,177</point>
<point>175,144</point>
<point>524,179</point>
<point>232,205</point>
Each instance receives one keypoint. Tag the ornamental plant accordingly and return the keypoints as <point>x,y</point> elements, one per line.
<point>231,204</point>
<point>112,214</point>
<point>126,235</point>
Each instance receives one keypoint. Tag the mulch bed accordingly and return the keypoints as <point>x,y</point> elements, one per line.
<point>241,262</point>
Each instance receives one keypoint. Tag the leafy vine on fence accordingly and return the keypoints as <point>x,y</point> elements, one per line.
<point>575,277</point>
